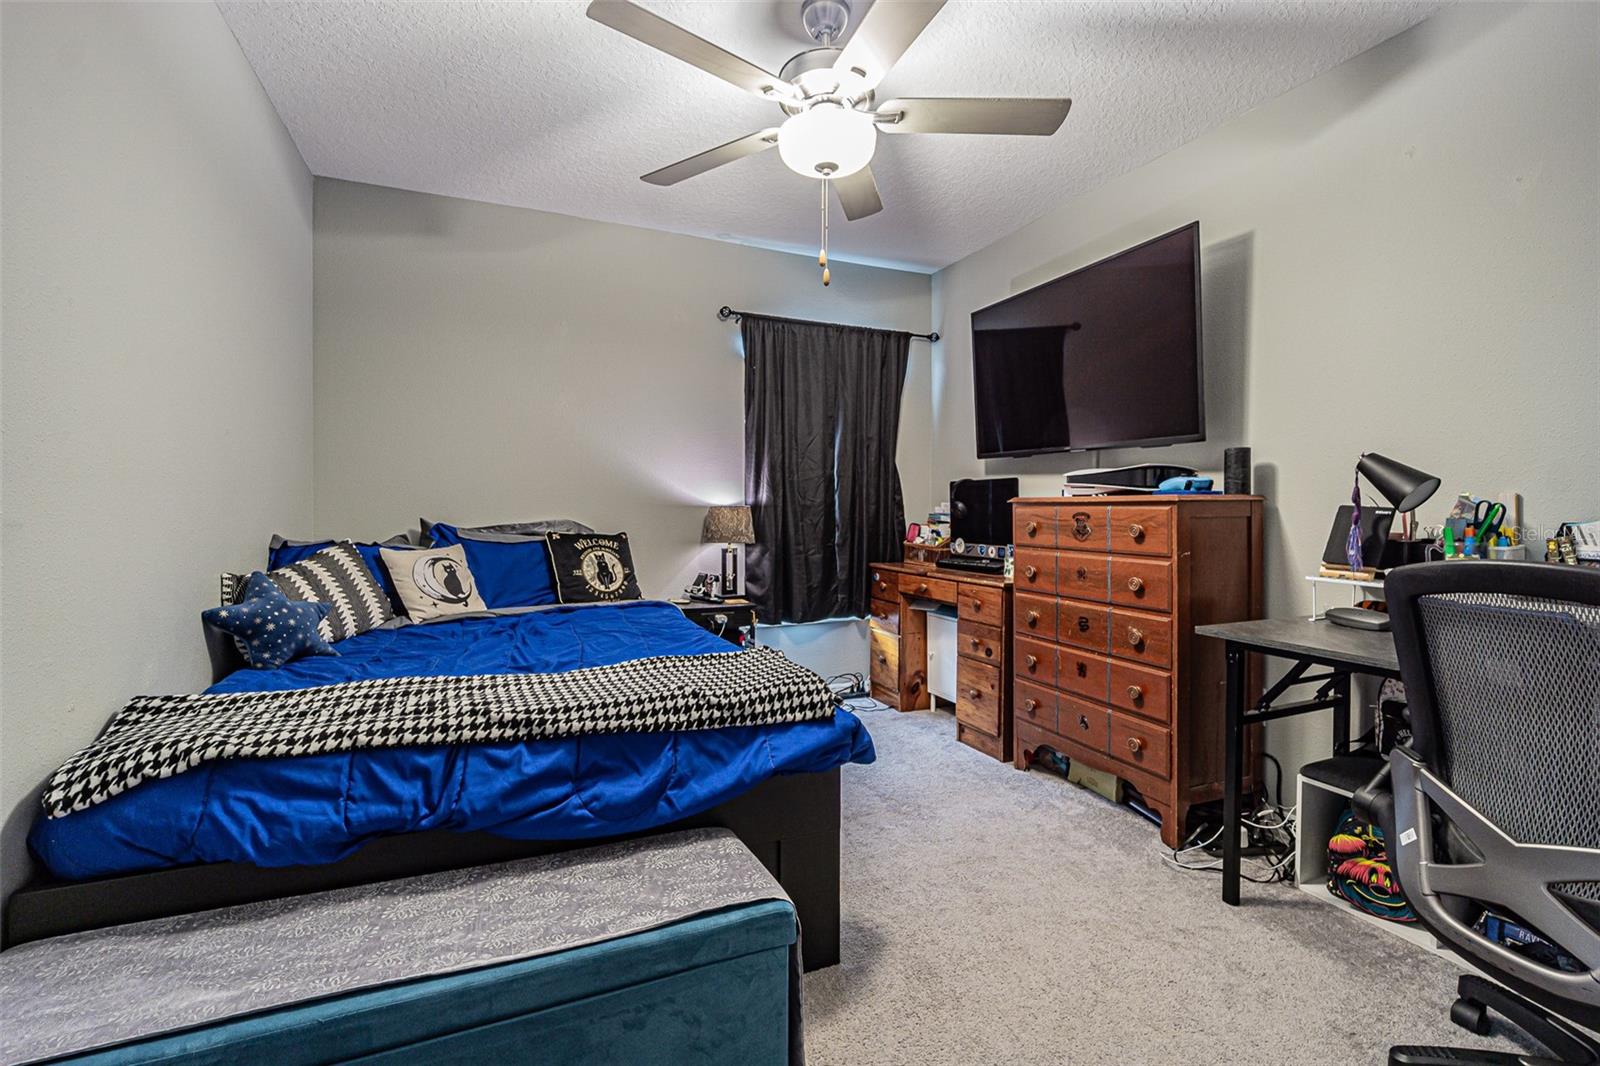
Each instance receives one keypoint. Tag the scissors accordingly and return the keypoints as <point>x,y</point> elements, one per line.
<point>1487,516</point>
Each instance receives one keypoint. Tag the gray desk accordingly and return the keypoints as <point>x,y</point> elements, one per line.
<point>1341,650</point>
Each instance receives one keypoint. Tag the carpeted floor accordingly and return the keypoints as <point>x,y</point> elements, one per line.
<point>993,916</point>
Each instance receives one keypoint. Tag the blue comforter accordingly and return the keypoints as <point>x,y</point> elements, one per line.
<point>320,808</point>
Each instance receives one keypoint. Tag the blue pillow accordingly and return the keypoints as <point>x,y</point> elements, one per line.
<point>269,627</point>
<point>282,553</point>
<point>509,572</point>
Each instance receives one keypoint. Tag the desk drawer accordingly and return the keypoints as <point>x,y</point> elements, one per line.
<point>885,668</point>
<point>1034,661</point>
<point>981,603</point>
<point>1083,576</point>
<point>1083,674</point>
<point>1083,528</point>
<point>1142,583</point>
<point>1141,530</point>
<point>1143,691</point>
<point>886,615</point>
<point>1083,625</point>
<point>979,642</point>
<point>1034,526</point>
<point>928,588</point>
<point>1138,743</point>
<point>883,585</point>
<point>1035,705</point>
<point>1035,571</point>
<point>1036,617</point>
<point>978,695</point>
<point>1141,637</point>
<point>1084,722</point>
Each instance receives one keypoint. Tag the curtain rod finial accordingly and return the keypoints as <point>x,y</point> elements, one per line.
<point>725,312</point>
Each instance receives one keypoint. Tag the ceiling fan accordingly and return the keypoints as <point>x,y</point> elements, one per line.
<point>827,93</point>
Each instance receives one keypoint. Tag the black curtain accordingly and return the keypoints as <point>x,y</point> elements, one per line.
<point>821,418</point>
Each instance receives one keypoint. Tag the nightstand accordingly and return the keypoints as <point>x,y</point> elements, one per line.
<point>733,620</point>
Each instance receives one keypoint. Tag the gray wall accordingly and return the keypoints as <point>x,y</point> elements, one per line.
<point>156,372</point>
<point>480,363</point>
<point>1397,255</point>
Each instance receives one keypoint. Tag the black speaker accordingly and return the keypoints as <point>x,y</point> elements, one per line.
<point>980,509</point>
<point>1236,471</point>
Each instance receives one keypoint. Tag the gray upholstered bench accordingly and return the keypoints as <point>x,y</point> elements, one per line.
<point>670,949</point>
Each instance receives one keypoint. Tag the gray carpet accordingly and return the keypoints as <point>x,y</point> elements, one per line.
<point>994,916</point>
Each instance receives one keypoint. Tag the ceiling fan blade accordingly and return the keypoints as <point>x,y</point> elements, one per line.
<point>858,194</point>
<point>1037,118</point>
<point>886,31</point>
<point>756,142</point>
<point>651,29</point>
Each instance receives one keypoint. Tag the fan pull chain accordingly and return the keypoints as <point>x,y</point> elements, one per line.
<point>822,260</point>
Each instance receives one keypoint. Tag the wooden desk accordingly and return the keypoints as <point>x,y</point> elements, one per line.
<point>983,638</point>
<point>1342,650</point>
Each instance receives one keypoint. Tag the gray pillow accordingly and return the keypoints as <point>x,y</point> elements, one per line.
<point>511,531</point>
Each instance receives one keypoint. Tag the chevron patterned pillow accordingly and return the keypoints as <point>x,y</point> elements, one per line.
<point>336,575</point>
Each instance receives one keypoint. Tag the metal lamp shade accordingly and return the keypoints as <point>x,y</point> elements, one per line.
<point>728,525</point>
<point>1405,487</point>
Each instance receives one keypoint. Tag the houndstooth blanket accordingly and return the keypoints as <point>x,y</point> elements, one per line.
<point>160,736</point>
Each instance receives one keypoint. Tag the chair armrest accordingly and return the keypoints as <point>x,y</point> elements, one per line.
<point>1374,801</point>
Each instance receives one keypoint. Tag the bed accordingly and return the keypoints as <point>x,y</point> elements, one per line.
<point>231,831</point>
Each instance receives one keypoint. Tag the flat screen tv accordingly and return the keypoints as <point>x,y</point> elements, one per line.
<point>1103,357</point>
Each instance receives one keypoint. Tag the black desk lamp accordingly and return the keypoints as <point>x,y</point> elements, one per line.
<point>1406,488</point>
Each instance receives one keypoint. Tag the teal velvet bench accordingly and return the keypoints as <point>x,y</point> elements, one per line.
<point>666,951</point>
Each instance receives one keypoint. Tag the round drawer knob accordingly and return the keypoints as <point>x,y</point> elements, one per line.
<point>1031,705</point>
<point>1135,637</point>
<point>1033,661</point>
<point>973,694</point>
<point>977,605</point>
<point>1031,571</point>
<point>1136,584</point>
<point>883,660</point>
<point>922,589</point>
<point>974,641</point>
<point>1135,745</point>
<point>1032,528</point>
<point>1033,618</point>
<point>1135,693</point>
<point>1136,531</point>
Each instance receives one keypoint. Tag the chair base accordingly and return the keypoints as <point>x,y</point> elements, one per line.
<point>1477,997</point>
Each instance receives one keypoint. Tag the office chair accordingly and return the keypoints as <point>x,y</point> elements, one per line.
<point>1496,801</point>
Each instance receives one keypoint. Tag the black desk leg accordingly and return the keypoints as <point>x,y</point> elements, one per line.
<point>1232,774</point>
<point>1341,713</point>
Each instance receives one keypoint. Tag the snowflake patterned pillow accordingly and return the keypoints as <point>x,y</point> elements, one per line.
<point>269,627</point>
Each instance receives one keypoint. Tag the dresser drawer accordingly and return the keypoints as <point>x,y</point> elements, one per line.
<point>978,695</point>
<point>886,615</point>
<point>1082,528</point>
<point>885,668</point>
<point>1137,743</point>
<point>1144,583</point>
<point>1035,705</point>
<point>1084,722</point>
<point>1036,617</point>
<point>928,588</point>
<point>1083,674</point>
<point>981,603</point>
<point>1141,637</point>
<point>1035,571</point>
<point>1083,625</point>
<point>1141,530</point>
<point>1083,576</point>
<point>1035,526</point>
<point>974,640</point>
<point>1033,661</point>
<point>1141,690</point>
<point>883,585</point>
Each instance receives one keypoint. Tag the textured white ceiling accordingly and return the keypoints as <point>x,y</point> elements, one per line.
<point>535,105</point>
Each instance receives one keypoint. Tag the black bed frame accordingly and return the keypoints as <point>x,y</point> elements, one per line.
<point>791,823</point>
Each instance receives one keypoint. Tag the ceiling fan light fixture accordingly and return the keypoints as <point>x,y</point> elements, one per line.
<point>827,141</point>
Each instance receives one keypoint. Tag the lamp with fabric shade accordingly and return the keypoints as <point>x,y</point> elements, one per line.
<point>729,525</point>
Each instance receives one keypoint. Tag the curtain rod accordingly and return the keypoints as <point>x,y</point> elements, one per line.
<point>725,312</point>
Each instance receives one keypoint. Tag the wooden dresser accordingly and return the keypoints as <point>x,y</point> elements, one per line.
<point>1107,668</point>
<point>983,626</point>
